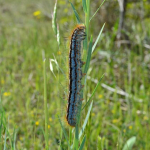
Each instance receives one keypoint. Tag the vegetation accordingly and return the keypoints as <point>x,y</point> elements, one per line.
<point>34,80</point>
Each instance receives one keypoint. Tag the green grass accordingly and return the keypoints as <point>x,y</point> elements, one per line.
<point>26,40</point>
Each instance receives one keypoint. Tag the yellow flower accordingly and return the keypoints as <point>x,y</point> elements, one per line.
<point>113,111</point>
<point>2,81</point>
<point>6,93</point>
<point>130,127</point>
<point>124,130</point>
<point>66,10</point>
<point>145,118</point>
<point>100,96</point>
<point>59,52</point>
<point>115,120</point>
<point>62,2</point>
<point>50,119</point>
<point>93,114</point>
<point>21,138</point>
<point>36,123</point>
<point>37,13</point>
<point>49,126</point>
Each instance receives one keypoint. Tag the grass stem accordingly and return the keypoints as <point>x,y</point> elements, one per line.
<point>45,106</point>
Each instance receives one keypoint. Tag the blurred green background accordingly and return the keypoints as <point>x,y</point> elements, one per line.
<point>122,101</point>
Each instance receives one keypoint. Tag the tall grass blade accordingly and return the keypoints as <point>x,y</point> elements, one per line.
<point>82,144</point>
<point>87,16</point>
<point>60,145</point>
<point>57,65</point>
<point>70,136</point>
<point>93,48</point>
<point>75,12</point>
<point>45,105</point>
<point>8,135</point>
<point>58,36</point>
<point>14,139</point>
<point>76,140</point>
<point>1,130</point>
<point>84,6</point>
<point>64,131</point>
<point>93,92</point>
<point>100,143</point>
<point>1,123</point>
<point>129,144</point>
<point>5,140</point>
<point>51,65</point>
<point>54,24</point>
<point>86,120</point>
<point>88,56</point>
<point>97,9</point>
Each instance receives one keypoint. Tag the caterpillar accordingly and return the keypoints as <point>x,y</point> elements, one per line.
<point>75,74</point>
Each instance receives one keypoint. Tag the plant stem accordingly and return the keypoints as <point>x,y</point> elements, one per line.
<point>45,106</point>
<point>87,16</point>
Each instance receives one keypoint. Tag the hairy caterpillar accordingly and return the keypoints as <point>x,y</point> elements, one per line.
<point>75,74</point>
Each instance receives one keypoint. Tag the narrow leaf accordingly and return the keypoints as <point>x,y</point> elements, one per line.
<point>93,92</point>
<point>86,120</point>
<point>45,105</point>
<point>88,56</point>
<point>64,131</point>
<point>54,25</point>
<point>57,65</point>
<point>14,139</point>
<point>84,5</point>
<point>51,65</point>
<point>5,139</point>
<point>76,139</point>
<point>129,144</point>
<point>58,36</point>
<point>76,14</point>
<point>93,48</point>
<point>97,9</point>
<point>82,144</point>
